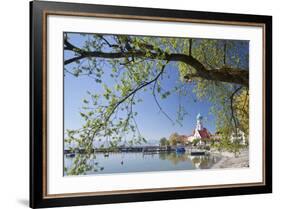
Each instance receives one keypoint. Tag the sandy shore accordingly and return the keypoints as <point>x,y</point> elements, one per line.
<point>228,160</point>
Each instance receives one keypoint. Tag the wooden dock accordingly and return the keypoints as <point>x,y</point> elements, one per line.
<point>143,149</point>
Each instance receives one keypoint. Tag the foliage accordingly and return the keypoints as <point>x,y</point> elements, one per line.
<point>226,145</point>
<point>164,142</point>
<point>195,142</point>
<point>175,139</point>
<point>214,69</point>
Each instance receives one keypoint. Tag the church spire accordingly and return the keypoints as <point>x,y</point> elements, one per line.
<point>199,125</point>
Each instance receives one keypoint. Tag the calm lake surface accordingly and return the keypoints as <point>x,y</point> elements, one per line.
<point>139,162</point>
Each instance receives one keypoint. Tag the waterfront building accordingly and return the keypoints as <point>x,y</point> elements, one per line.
<point>238,137</point>
<point>200,132</point>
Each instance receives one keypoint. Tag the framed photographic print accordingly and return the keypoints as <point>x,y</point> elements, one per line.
<point>140,104</point>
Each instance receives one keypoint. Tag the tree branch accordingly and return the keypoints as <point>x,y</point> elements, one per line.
<point>156,100</point>
<point>107,42</point>
<point>190,47</point>
<point>224,74</point>
<point>232,108</point>
<point>116,105</point>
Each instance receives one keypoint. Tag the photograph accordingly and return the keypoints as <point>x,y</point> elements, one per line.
<point>132,104</point>
<point>140,104</point>
<point>135,103</point>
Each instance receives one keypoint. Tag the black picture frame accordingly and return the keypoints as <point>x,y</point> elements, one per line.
<point>38,12</point>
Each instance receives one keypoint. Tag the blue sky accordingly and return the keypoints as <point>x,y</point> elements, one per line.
<point>152,124</point>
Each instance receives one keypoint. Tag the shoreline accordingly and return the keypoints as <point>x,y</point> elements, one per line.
<point>228,160</point>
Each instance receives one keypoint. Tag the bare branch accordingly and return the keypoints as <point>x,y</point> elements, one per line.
<point>159,106</point>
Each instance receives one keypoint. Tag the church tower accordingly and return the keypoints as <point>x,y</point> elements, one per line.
<point>199,125</point>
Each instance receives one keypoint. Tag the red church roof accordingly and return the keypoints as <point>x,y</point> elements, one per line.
<point>204,133</point>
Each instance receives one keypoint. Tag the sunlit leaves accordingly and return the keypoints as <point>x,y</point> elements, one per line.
<point>110,116</point>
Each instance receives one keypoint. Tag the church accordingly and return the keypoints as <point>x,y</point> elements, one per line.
<point>200,132</point>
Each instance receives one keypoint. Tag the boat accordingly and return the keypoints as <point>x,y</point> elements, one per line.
<point>180,149</point>
<point>70,155</point>
<point>197,152</point>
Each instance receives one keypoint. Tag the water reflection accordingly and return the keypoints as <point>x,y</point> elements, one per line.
<point>199,162</point>
<point>142,162</point>
<point>174,157</point>
<point>204,161</point>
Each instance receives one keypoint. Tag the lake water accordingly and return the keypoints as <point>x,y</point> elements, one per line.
<point>139,162</point>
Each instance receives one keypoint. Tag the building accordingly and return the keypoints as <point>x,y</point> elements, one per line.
<point>200,132</point>
<point>238,137</point>
<point>203,135</point>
